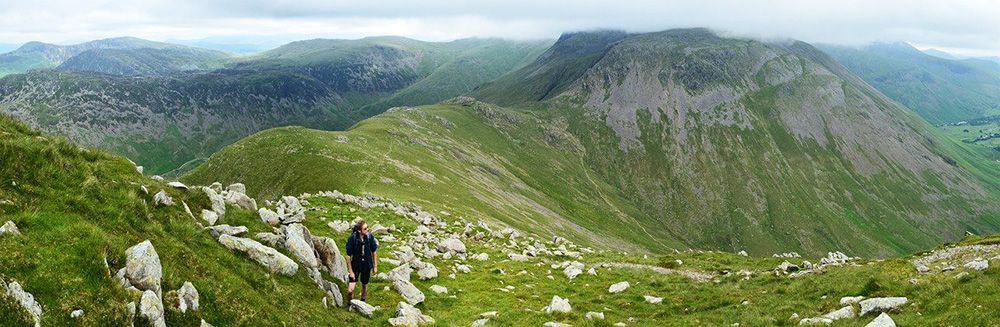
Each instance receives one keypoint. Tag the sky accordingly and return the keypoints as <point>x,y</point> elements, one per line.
<point>968,27</point>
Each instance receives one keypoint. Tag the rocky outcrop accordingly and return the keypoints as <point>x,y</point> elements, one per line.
<point>298,241</point>
<point>268,257</point>
<point>330,258</point>
<point>24,299</point>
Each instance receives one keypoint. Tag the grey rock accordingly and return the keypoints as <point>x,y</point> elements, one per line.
<point>329,256</point>
<point>268,216</point>
<point>161,198</point>
<point>298,241</point>
<point>407,315</point>
<point>363,308</point>
<point>9,228</point>
<point>652,299</point>
<point>210,217</point>
<point>558,304</point>
<point>977,264</point>
<point>815,321</point>
<point>618,287</point>
<point>142,267</point>
<point>883,320</point>
<point>24,299</point>
<point>453,245</point>
<point>218,203</point>
<point>881,304</point>
<point>268,257</point>
<point>480,322</point>
<point>594,315</point>
<point>151,308</point>
<point>842,313</point>
<point>848,300</point>
<point>439,289</point>
<point>410,293</point>
<point>272,239</point>
<point>187,297</point>
<point>76,313</point>
<point>290,210</point>
<point>177,185</point>
<point>227,230</point>
<point>237,187</point>
<point>241,200</point>
<point>427,272</point>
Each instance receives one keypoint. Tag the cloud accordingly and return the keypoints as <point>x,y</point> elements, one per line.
<point>970,25</point>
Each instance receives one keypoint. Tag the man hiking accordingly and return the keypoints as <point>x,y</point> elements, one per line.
<point>362,260</point>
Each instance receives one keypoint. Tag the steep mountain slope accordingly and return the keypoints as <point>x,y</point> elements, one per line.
<point>677,137</point>
<point>78,211</point>
<point>33,55</point>
<point>940,90</point>
<point>146,61</point>
<point>163,121</point>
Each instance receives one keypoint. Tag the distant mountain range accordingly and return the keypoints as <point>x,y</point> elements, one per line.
<point>940,90</point>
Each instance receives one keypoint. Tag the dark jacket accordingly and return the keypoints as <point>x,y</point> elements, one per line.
<point>360,249</point>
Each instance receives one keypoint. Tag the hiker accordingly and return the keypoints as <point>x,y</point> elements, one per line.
<point>362,260</point>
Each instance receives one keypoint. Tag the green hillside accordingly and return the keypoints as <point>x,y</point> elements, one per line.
<point>686,138</point>
<point>78,210</point>
<point>940,90</point>
<point>34,55</point>
<point>167,116</point>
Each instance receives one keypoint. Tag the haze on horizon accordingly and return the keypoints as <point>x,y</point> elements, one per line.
<point>967,27</point>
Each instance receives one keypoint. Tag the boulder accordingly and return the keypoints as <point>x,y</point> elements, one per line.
<point>977,264</point>
<point>272,239</point>
<point>142,267</point>
<point>618,287</point>
<point>842,313</point>
<point>329,257</point>
<point>210,217</point>
<point>407,315</point>
<point>883,320</point>
<point>162,199</point>
<point>177,185</point>
<point>25,299</point>
<point>298,241</point>
<point>218,203</point>
<point>363,308</point>
<point>439,289</point>
<point>400,273</point>
<point>187,297</point>
<point>290,210</point>
<point>558,304</point>
<point>269,217</point>
<point>9,228</point>
<point>151,308</point>
<point>881,304</point>
<point>410,293</point>
<point>427,272</point>
<point>237,187</point>
<point>453,245</point>
<point>268,257</point>
<point>241,200</point>
<point>226,230</point>
<point>217,187</point>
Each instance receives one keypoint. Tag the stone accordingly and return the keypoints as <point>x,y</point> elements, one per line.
<point>400,273</point>
<point>555,324</point>
<point>923,269</point>
<point>573,269</point>
<point>151,308</point>
<point>241,200</point>
<point>439,289</point>
<point>162,199</point>
<point>227,230</point>
<point>881,304</point>
<point>363,308</point>
<point>290,210</point>
<point>517,257</point>
<point>652,299</point>
<point>489,314</point>
<point>847,300</point>
<point>592,271</point>
<point>787,267</point>
<point>594,315</point>
<point>480,322</point>
<point>558,304</point>
<point>407,315</point>
<point>268,257</point>
<point>272,239</point>
<point>481,256</point>
<point>76,313</point>
<point>269,217</point>
<point>299,243</point>
<point>177,185</point>
<point>210,217</point>
<point>618,287</point>
<point>329,257</point>
<point>842,313</point>
<point>25,299</point>
<point>205,324</point>
<point>9,228</point>
<point>427,272</point>
<point>815,321</point>
<point>339,226</point>
<point>218,203</point>
<point>453,245</point>
<point>237,187</point>
<point>187,297</point>
<point>142,267</point>
<point>977,264</point>
<point>187,209</point>
<point>410,293</point>
<point>883,320</point>
<point>743,254</point>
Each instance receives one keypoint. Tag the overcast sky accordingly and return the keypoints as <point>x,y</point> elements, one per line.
<point>960,26</point>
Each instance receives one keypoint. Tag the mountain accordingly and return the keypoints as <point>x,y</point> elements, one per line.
<point>33,55</point>
<point>97,245</point>
<point>940,54</point>
<point>146,61</point>
<point>165,118</point>
<point>660,141</point>
<point>940,90</point>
